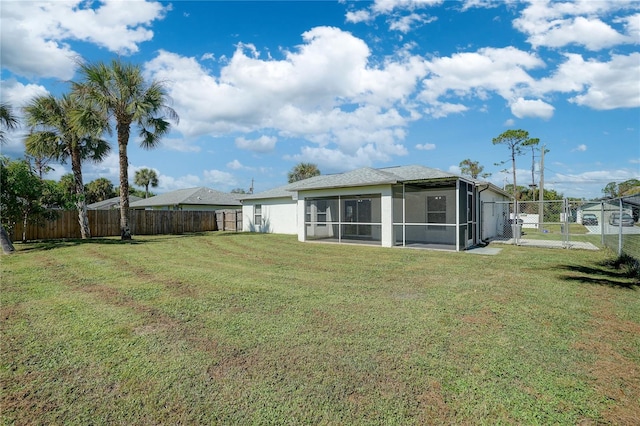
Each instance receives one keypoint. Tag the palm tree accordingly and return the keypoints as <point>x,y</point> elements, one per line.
<point>120,90</point>
<point>55,131</point>
<point>146,177</point>
<point>303,171</point>
<point>8,120</point>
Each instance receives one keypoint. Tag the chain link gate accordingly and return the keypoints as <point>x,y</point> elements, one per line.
<point>548,223</point>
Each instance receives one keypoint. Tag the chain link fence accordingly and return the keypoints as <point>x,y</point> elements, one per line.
<point>548,223</point>
<point>620,231</point>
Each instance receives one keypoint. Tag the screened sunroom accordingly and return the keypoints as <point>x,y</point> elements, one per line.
<point>348,218</point>
<point>438,214</point>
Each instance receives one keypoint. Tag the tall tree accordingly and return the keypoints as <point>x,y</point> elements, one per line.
<point>144,178</point>
<point>473,169</point>
<point>99,190</point>
<point>8,120</point>
<point>120,90</point>
<point>515,140</point>
<point>303,171</point>
<point>59,128</point>
<point>628,187</point>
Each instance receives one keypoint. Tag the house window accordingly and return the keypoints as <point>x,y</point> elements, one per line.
<point>257,214</point>
<point>437,209</point>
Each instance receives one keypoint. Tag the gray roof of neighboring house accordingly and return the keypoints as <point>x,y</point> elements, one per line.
<point>279,192</point>
<point>110,203</point>
<point>192,196</point>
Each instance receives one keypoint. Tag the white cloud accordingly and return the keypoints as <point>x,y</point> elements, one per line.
<point>261,144</point>
<point>33,30</point>
<point>610,85</point>
<point>477,74</point>
<point>532,108</point>
<point>406,23</point>
<point>358,16</point>
<point>326,92</point>
<point>235,165</point>
<point>580,148</point>
<point>218,177</point>
<point>557,24</point>
<point>168,183</point>
<point>600,85</point>
<point>510,122</point>
<point>18,95</point>
<point>387,6</point>
<point>426,146</point>
<point>179,144</point>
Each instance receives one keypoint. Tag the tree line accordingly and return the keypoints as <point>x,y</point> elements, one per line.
<point>72,127</point>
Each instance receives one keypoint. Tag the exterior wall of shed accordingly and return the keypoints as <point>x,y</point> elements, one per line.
<point>278,216</point>
<point>492,221</point>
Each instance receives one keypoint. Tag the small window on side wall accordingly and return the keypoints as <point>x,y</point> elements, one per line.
<point>257,214</point>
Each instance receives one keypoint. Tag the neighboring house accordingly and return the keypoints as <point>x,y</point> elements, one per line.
<point>601,209</point>
<point>394,206</point>
<point>199,199</point>
<point>111,203</point>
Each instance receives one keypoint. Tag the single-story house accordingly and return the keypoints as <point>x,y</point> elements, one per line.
<point>194,199</point>
<point>111,203</point>
<point>393,206</point>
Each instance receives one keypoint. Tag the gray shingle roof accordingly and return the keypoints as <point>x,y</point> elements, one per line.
<point>194,196</point>
<point>279,192</point>
<point>365,176</point>
<point>111,203</point>
<point>417,173</point>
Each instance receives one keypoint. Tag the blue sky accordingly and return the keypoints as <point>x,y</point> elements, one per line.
<point>261,86</point>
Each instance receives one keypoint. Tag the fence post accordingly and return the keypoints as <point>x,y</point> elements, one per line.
<point>602,223</point>
<point>620,230</point>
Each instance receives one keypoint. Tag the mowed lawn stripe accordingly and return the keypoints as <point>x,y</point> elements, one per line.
<point>254,328</point>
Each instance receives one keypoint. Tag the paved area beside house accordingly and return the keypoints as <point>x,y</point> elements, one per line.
<point>490,251</point>
<point>550,244</point>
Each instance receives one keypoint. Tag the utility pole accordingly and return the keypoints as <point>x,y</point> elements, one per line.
<point>541,194</point>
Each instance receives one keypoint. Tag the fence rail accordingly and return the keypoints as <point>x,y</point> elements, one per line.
<point>106,223</point>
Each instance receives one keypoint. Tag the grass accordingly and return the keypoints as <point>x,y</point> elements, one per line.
<point>225,328</point>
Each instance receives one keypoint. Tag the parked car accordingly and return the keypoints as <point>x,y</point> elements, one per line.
<point>589,219</point>
<point>627,220</point>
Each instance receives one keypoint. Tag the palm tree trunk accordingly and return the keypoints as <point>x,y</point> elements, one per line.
<point>81,202</point>
<point>7,245</point>
<point>123,138</point>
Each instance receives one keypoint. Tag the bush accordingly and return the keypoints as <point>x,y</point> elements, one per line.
<point>628,264</point>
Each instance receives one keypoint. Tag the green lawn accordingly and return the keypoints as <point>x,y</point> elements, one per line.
<point>224,328</point>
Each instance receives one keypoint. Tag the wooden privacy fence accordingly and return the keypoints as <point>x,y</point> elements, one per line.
<point>106,223</point>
